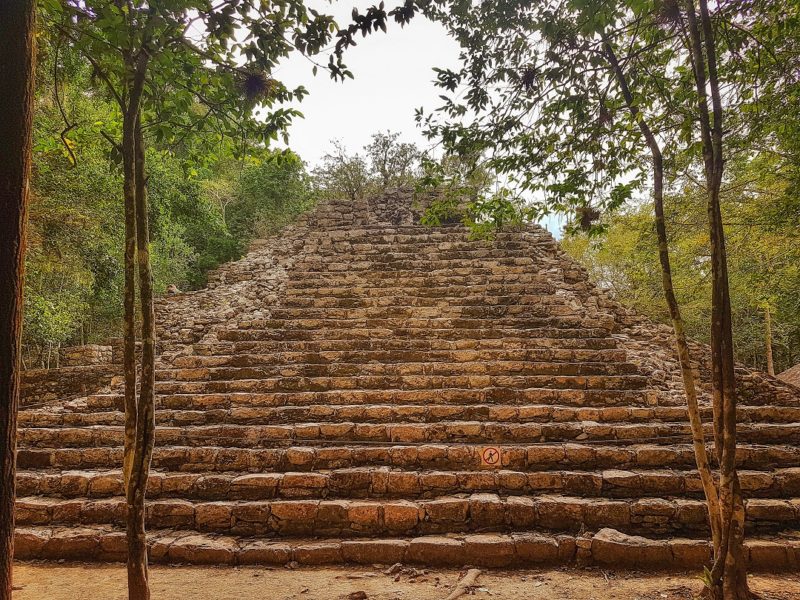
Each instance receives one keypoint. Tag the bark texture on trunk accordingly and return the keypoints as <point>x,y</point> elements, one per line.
<point>729,573</point>
<point>136,462</point>
<point>682,346</point>
<point>129,298</point>
<point>138,588</point>
<point>768,340</point>
<point>17,44</point>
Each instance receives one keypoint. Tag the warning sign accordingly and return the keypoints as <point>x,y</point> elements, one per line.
<point>490,456</point>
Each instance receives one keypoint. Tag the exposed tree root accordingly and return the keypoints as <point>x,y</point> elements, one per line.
<point>463,586</point>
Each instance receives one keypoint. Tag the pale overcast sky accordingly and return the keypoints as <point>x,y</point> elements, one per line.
<point>393,76</point>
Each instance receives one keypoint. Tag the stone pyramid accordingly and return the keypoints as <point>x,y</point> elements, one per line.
<point>365,389</point>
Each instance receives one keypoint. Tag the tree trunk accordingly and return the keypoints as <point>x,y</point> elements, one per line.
<point>138,587</point>
<point>129,300</point>
<point>16,108</point>
<point>137,69</point>
<point>729,573</point>
<point>681,343</point>
<point>768,340</point>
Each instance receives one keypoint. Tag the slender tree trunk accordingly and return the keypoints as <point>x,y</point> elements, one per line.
<point>17,45</point>
<point>129,300</point>
<point>136,69</point>
<point>729,573</point>
<point>138,587</point>
<point>134,473</point>
<point>681,343</point>
<point>768,340</point>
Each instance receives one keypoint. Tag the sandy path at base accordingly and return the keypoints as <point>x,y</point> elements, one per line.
<point>107,582</point>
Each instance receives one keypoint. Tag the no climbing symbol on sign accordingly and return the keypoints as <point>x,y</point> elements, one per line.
<point>490,457</point>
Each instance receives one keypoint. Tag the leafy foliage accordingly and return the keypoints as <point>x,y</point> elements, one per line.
<point>74,259</point>
<point>395,162</point>
<point>387,162</point>
<point>764,261</point>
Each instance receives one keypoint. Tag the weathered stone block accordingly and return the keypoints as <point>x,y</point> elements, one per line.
<point>535,549</point>
<point>213,516</point>
<point>259,552</point>
<point>612,548</point>
<point>435,550</point>
<point>318,553</point>
<point>489,550</point>
<point>368,552</point>
<point>200,550</point>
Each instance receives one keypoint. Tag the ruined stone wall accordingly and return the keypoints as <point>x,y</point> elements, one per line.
<point>90,354</point>
<point>41,386</point>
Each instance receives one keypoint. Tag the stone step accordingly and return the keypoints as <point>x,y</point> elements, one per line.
<point>394,277</point>
<point>454,291</point>
<point>466,253</point>
<point>383,482</point>
<point>464,286</point>
<point>347,237</point>
<point>442,515</point>
<point>607,548</point>
<point>461,397</point>
<point>434,264</point>
<point>455,324</point>
<point>349,261</point>
<point>449,457</point>
<point>375,333</point>
<point>420,284</point>
<point>405,356</point>
<point>476,432</point>
<point>399,368</point>
<point>489,312</point>
<point>404,344</point>
<point>406,382</point>
<point>457,252</point>
<point>80,415</point>
<point>415,302</point>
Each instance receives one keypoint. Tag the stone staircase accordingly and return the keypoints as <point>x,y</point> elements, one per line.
<point>365,389</point>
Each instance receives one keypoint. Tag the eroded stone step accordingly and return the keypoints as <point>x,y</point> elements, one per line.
<point>406,344</point>
<point>358,268</point>
<point>451,251</point>
<point>607,548</point>
<point>388,356</point>
<point>567,326</point>
<point>425,286</point>
<point>463,397</point>
<point>392,279</point>
<point>414,302</point>
<point>260,436</point>
<point>395,282</point>
<point>453,290</point>
<point>406,382</point>
<point>480,256</point>
<point>80,415</point>
<point>412,333</point>
<point>477,432</point>
<point>371,369</point>
<point>441,515</point>
<point>383,482</point>
<point>552,306</point>
<point>451,457</point>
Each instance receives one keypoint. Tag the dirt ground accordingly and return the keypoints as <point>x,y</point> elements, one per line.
<point>107,582</point>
